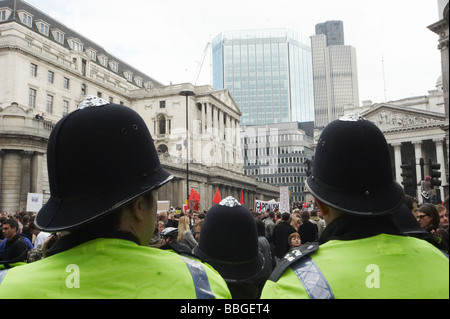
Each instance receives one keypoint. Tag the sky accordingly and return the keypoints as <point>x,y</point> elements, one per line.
<point>397,54</point>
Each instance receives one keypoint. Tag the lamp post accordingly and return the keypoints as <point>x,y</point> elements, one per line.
<point>187,93</point>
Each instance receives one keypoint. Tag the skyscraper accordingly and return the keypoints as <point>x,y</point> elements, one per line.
<point>335,73</point>
<point>268,72</point>
<point>334,30</point>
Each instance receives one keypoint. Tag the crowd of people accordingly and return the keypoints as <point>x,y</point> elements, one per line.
<point>102,217</point>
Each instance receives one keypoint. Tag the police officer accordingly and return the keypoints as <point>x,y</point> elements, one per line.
<point>362,253</point>
<point>104,173</point>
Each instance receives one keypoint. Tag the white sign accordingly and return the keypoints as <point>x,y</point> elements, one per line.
<point>284,199</point>
<point>34,202</point>
<point>163,206</point>
<point>262,206</point>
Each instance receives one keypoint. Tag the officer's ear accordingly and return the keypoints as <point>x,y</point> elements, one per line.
<point>324,209</point>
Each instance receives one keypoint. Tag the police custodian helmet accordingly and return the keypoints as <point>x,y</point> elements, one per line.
<point>99,158</point>
<point>352,169</point>
<point>229,242</point>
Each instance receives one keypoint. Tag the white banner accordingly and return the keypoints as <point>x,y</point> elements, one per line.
<point>34,202</point>
<point>262,206</point>
<point>284,199</point>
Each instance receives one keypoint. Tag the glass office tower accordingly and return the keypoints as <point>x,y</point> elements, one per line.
<point>268,72</point>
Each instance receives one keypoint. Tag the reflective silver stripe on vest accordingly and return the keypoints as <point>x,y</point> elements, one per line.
<point>3,274</point>
<point>201,282</point>
<point>312,279</point>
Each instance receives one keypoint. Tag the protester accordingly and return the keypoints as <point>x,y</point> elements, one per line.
<point>362,253</point>
<point>281,233</point>
<point>15,247</point>
<point>104,173</point>
<point>294,241</point>
<point>307,230</point>
<point>443,216</point>
<point>315,219</point>
<point>184,233</point>
<point>428,218</point>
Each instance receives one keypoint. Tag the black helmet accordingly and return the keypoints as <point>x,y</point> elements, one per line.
<point>352,169</point>
<point>229,242</point>
<point>99,158</point>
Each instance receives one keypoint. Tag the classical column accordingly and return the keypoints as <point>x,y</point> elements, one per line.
<point>2,152</point>
<point>25,179</point>
<point>398,161</point>
<point>440,158</point>
<point>209,117</point>
<point>203,118</point>
<point>418,155</point>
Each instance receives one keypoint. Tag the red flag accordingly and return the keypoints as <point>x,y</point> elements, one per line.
<point>242,196</point>
<point>216,198</point>
<point>194,195</point>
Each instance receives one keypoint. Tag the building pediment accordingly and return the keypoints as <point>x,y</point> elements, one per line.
<point>15,109</point>
<point>390,117</point>
<point>227,99</point>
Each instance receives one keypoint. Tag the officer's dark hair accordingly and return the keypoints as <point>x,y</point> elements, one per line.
<point>12,223</point>
<point>285,217</point>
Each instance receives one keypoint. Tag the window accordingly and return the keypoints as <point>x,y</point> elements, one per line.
<point>27,19</point>
<point>33,70</point>
<point>51,77</point>
<point>59,36</point>
<point>32,98</point>
<point>83,89</point>
<point>114,66</point>
<point>66,83</point>
<point>129,76</point>
<point>103,60</point>
<point>93,55</point>
<point>162,125</point>
<point>4,14</point>
<point>76,45</point>
<point>43,28</point>
<point>162,104</point>
<point>83,67</point>
<point>65,108</point>
<point>99,94</point>
<point>49,104</point>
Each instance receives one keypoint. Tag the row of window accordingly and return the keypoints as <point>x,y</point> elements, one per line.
<point>75,44</point>
<point>32,95</point>
<point>50,98</point>
<point>275,170</point>
<point>50,76</point>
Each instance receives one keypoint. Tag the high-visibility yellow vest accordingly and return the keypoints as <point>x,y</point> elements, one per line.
<point>383,266</point>
<point>113,268</point>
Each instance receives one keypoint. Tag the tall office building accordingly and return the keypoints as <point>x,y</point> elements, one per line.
<point>334,31</point>
<point>335,75</point>
<point>268,72</point>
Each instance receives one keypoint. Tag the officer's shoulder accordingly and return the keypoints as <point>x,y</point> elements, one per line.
<point>291,258</point>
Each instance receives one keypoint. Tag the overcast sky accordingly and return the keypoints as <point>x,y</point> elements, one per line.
<point>166,39</point>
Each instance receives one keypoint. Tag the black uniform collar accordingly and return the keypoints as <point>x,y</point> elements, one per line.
<point>351,227</point>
